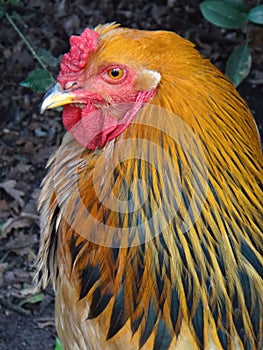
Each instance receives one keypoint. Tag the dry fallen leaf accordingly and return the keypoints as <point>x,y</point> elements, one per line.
<point>4,210</point>
<point>3,267</point>
<point>22,244</point>
<point>24,220</point>
<point>9,187</point>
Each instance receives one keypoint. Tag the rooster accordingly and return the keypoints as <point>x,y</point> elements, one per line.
<point>151,210</point>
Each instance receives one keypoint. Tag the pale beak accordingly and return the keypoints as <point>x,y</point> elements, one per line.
<point>56,97</point>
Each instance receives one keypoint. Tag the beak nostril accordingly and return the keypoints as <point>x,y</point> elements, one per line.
<point>69,85</point>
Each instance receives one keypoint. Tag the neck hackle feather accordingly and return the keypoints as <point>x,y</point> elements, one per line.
<point>155,240</point>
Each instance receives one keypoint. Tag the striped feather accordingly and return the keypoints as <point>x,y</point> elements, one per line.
<point>157,244</point>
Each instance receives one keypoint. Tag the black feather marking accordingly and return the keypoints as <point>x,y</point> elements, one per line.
<point>180,164</point>
<point>154,190</point>
<point>220,262</point>
<point>136,323</point>
<point>163,243</point>
<point>142,247</point>
<point>168,270</point>
<point>137,264</point>
<point>140,268</point>
<point>251,236</point>
<point>90,275</point>
<point>147,209</point>
<point>188,289</point>
<point>250,157</point>
<point>255,320</point>
<point>185,198</point>
<point>190,245</point>
<point>182,254</point>
<point>235,303</point>
<point>118,316</point>
<point>198,323</point>
<point>219,314</point>
<point>115,253</point>
<point>157,173</point>
<point>106,214</point>
<point>244,281</point>
<point>160,259</point>
<point>53,240</point>
<point>141,193</point>
<point>175,308</point>
<point>239,325</point>
<point>72,243</point>
<point>130,213</point>
<point>232,244</point>
<point>214,192</point>
<point>209,227</point>
<point>251,257</point>
<point>223,338</point>
<point>197,179</point>
<point>209,286</point>
<point>115,175</point>
<point>98,303</point>
<point>244,190</point>
<point>206,253</point>
<point>163,337</point>
<point>247,344</point>
<point>90,205</point>
<point>130,196</point>
<point>237,165</point>
<point>75,249</point>
<point>238,319</point>
<point>99,206</point>
<point>140,228</point>
<point>139,168</point>
<point>160,283</point>
<point>150,322</point>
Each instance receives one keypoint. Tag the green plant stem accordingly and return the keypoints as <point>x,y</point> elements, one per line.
<point>30,48</point>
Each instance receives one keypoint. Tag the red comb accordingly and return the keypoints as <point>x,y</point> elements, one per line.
<point>80,49</point>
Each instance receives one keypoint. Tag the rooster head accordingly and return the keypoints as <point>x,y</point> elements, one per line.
<point>101,95</point>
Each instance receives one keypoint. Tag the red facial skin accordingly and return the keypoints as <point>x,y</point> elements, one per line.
<point>104,106</point>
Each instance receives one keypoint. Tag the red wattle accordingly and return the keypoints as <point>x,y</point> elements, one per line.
<point>71,115</point>
<point>93,127</point>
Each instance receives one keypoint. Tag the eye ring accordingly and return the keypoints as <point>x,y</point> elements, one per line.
<point>116,73</point>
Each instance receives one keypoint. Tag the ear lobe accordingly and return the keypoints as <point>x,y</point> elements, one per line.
<point>147,80</point>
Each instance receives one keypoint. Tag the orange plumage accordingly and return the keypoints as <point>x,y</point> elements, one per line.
<point>151,210</point>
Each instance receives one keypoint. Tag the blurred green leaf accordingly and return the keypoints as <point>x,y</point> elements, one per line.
<point>15,3</point>
<point>47,57</point>
<point>5,5</point>
<point>238,4</point>
<point>255,15</point>
<point>223,14</point>
<point>32,299</point>
<point>58,345</point>
<point>3,9</point>
<point>39,80</point>
<point>238,64</point>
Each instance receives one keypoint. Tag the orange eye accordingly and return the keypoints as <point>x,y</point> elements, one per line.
<point>115,73</point>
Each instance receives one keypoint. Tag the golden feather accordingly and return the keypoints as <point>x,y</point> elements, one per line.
<point>155,240</point>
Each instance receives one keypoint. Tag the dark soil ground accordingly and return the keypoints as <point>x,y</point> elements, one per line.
<point>28,138</point>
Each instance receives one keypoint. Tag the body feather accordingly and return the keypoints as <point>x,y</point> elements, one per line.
<point>157,243</point>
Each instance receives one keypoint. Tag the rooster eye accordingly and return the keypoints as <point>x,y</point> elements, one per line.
<point>115,73</point>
